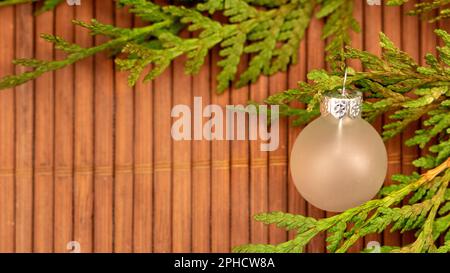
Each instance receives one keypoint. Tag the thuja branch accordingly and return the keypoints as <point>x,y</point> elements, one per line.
<point>46,4</point>
<point>388,82</point>
<point>427,8</point>
<point>389,79</point>
<point>269,36</point>
<point>75,53</point>
<point>345,235</point>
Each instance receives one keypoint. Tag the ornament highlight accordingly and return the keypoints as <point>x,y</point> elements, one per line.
<point>339,161</point>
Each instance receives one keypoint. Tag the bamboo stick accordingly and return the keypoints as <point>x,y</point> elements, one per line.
<point>143,168</point>
<point>7,133</point>
<point>220,174</point>
<point>24,134</point>
<point>181,217</point>
<point>104,105</point>
<point>44,143</point>
<point>84,137</point>
<point>240,158</point>
<point>123,170</point>
<point>259,172</point>
<point>201,169</point>
<point>64,117</point>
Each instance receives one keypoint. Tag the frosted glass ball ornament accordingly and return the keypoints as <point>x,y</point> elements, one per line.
<point>339,161</point>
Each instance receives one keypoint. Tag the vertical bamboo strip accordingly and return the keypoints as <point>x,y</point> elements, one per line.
<point>392,28</point>
<point>104,103</point>
<point>220,173</point>
<point>239,179</point>
<point>277,175</point>
<point>315,53</point>
<point>7,134</point>
<point>123,184</point>
<point>181,216</point>
<point>371,30</point>
<point>163,164</point>
<point>44,143</point>
<point>24,21</point>
<point>201,168</point>
<point>297,72</point>
<point>64,117</point>
<point>162,191</point>
<point>143,168</point>
<point>84,137</point>
<point>259,172</point>
<point>410,44</point>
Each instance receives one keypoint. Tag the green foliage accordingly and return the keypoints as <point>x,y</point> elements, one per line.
<point>394,83</point>
<point>434,9</point>
<point>267,37</point>
<point>337,29</point>
<point>372,217</point>
<point>46,4</point>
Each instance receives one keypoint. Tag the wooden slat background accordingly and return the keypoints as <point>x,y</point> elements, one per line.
<point>85,158</point>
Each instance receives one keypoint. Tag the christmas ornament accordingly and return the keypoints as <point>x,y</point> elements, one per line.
<point>339,161</point>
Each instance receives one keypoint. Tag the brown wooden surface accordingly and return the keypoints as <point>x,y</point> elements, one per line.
<point>85,158</point>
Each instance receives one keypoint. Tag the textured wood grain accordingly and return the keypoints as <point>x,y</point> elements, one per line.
<point>220,173</point>
<point>259,170</point>
<point>143,168</point>
<point>278,166</point>
<point>44,144</point>
<point>239,177</point>
<point>84,138</point>
<point>7,134</point>
<point>182,168</point>
<point>123,157</point>
<point>201,167</point>
<point>104,139</point>
<point>24,123</point>
<point>64,129</point>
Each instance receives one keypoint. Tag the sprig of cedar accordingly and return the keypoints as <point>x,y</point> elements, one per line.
<point>268,31</point>
<point>434,10</point>
<point>46,4</point>
<point>389,80</point>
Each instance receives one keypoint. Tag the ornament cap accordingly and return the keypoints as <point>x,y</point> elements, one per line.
<point>340,104</point>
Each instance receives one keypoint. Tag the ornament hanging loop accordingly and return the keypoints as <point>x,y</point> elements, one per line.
<point>342,103</point>
<point>345,82</point>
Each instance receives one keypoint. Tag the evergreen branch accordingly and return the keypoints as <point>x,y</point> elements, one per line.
<point>337,29</point>
<point>41,67</point>
<point>269,36</point>
<point>425,240</point>
<point>389,79</point>
<point>4,3</point>
<point>46,4</point>
<point>427,8</point>
<point>359,216</point>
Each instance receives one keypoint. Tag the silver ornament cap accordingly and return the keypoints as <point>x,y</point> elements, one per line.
<point>341,104</point>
